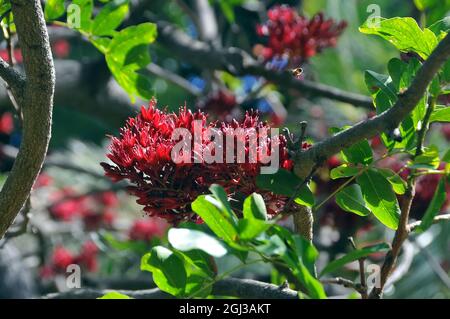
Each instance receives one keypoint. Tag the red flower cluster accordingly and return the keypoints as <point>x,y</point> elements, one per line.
<point>295,36</point>
<point>142,154</point>
<point>95,211</point>
<point>147,229</point>
<point>62,257</point>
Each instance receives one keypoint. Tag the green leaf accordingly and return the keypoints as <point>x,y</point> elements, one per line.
<point>404,34</point>
<point>250,228</point>
<point>344,171</point>
<point>203,264</point>
<point>376,81</point>
<point>300,257</point>
<point>110,17</point>
<point>220,194</point>
<point>440,114</point>
<point>127,52</point>
<point>53,9</point>
<point>436,203</point>
<point>441,27</point>
<point>86,8</point>
<point>114,295</point>
<point>188,239</point>
<point>273,246</point>
<point>254,207</point>
<point>354,255</point>
<point>398,184</point>
<point>351,200</point>
<point>360,152</point>
<point>285,183</point>
<point>216,217</point>
<point>167,268</point>
<point>428,159</point>
<point>379,197</point>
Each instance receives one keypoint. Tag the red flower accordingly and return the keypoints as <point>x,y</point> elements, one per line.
<point>146,229</point>
<point>6,123</point>
<point>43,180</point>
<point>295,36</point>
<point>108,199</point>
<point>88,256</point>
<point>166,187</point>
<point>62,258</point>
<point>61,48</point>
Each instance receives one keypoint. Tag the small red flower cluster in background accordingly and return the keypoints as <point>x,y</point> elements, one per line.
<point>62,257</point>
<point>142,154</point>
<point>220,105</point>
<point>95,210</point>
<point>295,36</point>
<point>6,123</point>
<point>61,48</point>
<point>147,229</point>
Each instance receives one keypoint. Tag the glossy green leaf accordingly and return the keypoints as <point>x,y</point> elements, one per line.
<point>434,207</point>
<point>351,200</point>
<point>220,194</point>
<point>114,295</point>
<point>440,114</point>
<point>250,228</point>
<point>53,9</point>
<point>213,214</point>
<point>428,159</point>
<point>360,152</point>
<point>398,183</point>
<point>376,81</point>
<point>126,53</point>
<point>167,268</point>
<point>110,17</point>
<point>188,239</point>
<point>379,197</point>
<point>86,8</point>
<point>352,256</point>
<point>285,183</point>
<point>254,207</point>
<point>344,171</point>
<point>404,34</point>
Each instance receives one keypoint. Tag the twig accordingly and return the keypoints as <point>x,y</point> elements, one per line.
<point>343,282</point>
<point>437,219</point>
<point>233,287</point>
<point>362,273</point>
<point>174,78</point>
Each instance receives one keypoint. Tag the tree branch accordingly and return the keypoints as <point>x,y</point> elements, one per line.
<point>36,103</point>
<point>233,287</point>
<point>13,78</point>
<point>238,62</point>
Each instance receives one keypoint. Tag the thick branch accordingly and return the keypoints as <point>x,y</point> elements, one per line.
<point>12,77</point>
<point>239,62</point>
<point>36,104</point>
<point>386,121</point>
<point>233,287</point>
